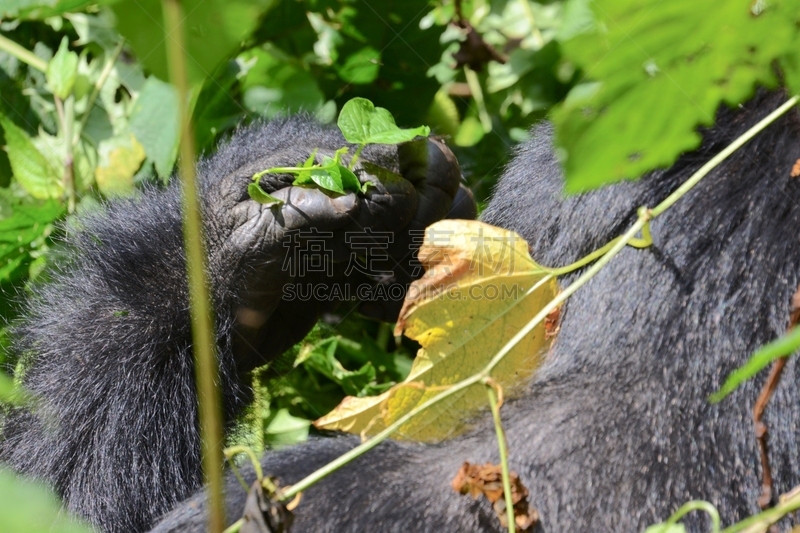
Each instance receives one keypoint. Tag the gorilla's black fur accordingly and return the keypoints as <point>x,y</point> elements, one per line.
<point>106,345</point>
<point>614,433</point>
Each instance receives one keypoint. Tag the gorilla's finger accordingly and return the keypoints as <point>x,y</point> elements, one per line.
<point>305,208</point>
<point>389,204</point>
<point>429,163</point>
<point>464,205</point>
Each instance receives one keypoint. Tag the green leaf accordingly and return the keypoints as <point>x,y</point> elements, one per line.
<point>329,179</point>
<point>304,176</point>
<point>349,180</point>
<point>100,29</point>
<point>782,347</point>
<point>213,31</point>
<point>31,169</point>
<point>663,70</point>
<point>25,225</point>
<point>363,123</point>
<point>361,67</point>
<point>26,507</point>
<point>39,9</point>
<point>217,109</point>
<point>283,429</point>
<point>276,85</point>
<point>257,193</point>
<point>62,70</point>
<point>155,123</point>
<point>119,159</point>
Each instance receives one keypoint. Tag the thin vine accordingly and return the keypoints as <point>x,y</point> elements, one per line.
<point>602,257</point>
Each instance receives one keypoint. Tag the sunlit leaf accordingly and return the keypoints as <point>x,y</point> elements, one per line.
<point>363,123</point>
<point>470,302</point>
<point>24,226</point>
<point>257,193</point>
<point>62,70</point>
<point>26,507</point>
<point>213,30</point>
<point>663,68</point>
<point>31,169</point>
<point>361,67</point>
<point>119,159</point>
<point>155,123</point>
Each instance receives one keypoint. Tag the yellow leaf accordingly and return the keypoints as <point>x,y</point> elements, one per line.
<point>473,298</point>
<point>119,159</point>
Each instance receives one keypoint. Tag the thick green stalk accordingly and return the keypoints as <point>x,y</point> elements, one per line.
<point>205,360</point>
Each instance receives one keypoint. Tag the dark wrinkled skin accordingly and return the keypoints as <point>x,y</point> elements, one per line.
<point>106,344</point>
<point>615,431</point>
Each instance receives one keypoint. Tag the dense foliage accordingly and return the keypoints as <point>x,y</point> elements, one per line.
<point>86,113</point>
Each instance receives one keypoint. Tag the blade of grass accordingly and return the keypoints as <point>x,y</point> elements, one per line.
<point>205,359</point>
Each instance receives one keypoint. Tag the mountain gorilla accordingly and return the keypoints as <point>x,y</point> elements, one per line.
<point>614,432</point>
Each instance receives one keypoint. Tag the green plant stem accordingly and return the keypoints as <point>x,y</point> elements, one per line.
<point>696,505</point>
<point>472,380</point>
<point>503,447</point>
<point>205,361</point>
<point>356,155</point>
<point>23,54</point>
<point>65,115</point>
<point>69,159</point>
<point>477,94</point>
<point>98,86</point>
<point>717,159</point>
<point>644,242</point>
<point>645,215</point>
<point>233,451</point>
<point>646,239</point>
<point>768,517</point>
<point>235,527</point>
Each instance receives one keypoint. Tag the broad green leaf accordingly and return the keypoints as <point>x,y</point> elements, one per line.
<point>155,123</point>
<point>282,429</point>
<point>99,29</point>
<point>361,67</point>
<point>328,179</point>
<point>363,123</point>
<point>62,70</point>
<point>119,159</point>
<point>213,31</point>
<point>27,507</point>
<point>782,347</point>
<point>25,225</point>
<point>662,69</point>
<point>479,289</point>
<point>257,193</point>
<point>349,180</point>
<point>39,9</point>
<point>276,85</point>
<point>217,109</point>
<point>31,169</point>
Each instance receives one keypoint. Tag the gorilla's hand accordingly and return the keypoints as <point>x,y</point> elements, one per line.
<point>316,240</point>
